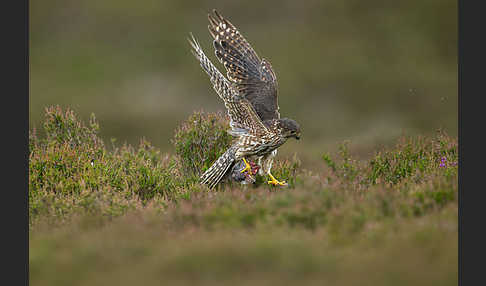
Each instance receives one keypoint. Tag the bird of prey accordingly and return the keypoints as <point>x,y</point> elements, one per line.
<point>249,94</point>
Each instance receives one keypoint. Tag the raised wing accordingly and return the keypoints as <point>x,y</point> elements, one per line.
<point>220,84</point>
<point>243,117</point>
<point>253,78</point>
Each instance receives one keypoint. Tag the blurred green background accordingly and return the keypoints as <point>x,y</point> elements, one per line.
<point>367,71</point>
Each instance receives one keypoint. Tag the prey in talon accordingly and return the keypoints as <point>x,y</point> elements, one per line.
<point>240,173</point>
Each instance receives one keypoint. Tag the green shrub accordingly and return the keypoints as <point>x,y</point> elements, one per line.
<point>64,127</point>
<point>199,141</point>
<point>71,171</point>
<point>348,169</point>
<point>413,157</point>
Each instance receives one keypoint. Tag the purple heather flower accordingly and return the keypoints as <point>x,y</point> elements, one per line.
<point>442,165</point>
<point>443,159</point>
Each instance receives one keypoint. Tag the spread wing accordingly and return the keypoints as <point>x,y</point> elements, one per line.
<point>220,84</point>
<point>243,117</point>
<point>253,78</point>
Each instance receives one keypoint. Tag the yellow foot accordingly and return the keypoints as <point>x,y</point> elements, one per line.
<point>276,182</point>
<point>247,168</point>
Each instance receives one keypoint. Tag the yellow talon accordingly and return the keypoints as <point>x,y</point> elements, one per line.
<point>247,168</point>
<point>275,181</point>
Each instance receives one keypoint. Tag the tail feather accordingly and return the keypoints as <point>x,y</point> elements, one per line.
<point>219,168</point>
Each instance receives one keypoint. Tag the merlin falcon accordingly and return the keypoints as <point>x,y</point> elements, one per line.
<point>249,94</point>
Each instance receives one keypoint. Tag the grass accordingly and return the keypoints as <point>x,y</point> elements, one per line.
<point>136,215</point>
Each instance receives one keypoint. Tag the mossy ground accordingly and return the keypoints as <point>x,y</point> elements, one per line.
<point>135,215</point>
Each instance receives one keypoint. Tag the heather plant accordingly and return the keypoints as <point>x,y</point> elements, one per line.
<point>347,170</point>
<point>70,171</point>
<point>64,127</point>
<point>412,157</point>
<point>199,141</point>
<point>343,200</point>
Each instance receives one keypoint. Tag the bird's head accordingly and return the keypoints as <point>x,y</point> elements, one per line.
<point>289,128</point>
